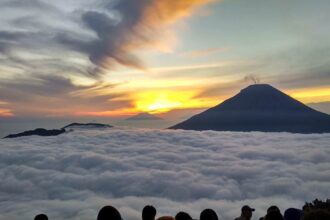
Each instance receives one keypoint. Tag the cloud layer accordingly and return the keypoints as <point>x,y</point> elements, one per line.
<point>73,175</point>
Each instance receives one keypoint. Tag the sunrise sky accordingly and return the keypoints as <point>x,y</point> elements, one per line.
<point>116,58</point>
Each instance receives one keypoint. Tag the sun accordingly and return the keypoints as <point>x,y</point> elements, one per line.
<point>156,102</point>
<point>160,106</point>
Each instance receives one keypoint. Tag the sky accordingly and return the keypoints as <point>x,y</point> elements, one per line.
<point>105,60</point>
<point>73,175</point>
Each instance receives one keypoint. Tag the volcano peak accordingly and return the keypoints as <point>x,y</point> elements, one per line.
<point>260,107</point>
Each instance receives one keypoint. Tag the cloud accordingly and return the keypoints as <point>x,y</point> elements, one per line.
<point>39,38</point>
<point>321,106</point>
<point>138,25</point>
<point>72,176</point>
<point>59,96</point>
<point>6,112</point>
<point>203,53</point>
<point>32,4</point>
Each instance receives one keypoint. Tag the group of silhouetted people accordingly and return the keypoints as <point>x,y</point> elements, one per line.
<point>273,213</point>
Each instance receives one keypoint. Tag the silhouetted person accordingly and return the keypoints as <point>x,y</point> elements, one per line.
<point>293,214</point>
<point>41,217</point>
<point>109,213</point>
<point>246,213</point>
<point>208,214</point>
<point>166,218</point>
<point>149,213</point>
<point>274,215</point>
<point>273,208</point>
<point>183,216</point>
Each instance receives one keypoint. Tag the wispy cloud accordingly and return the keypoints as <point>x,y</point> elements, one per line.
<point>138,25</point>
<point>45,51</point>
<point>203,52</point>
<point>59,96</point>
<point>6,112</point>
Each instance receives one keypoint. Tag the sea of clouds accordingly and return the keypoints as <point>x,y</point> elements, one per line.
<point>73,175</point>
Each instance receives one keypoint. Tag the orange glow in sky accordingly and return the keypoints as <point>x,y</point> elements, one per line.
<point>164,101</point>
<point>5,113</point>
<point>310,95</point>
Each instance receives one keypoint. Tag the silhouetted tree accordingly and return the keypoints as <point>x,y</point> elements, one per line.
<point>317,214</point>
<point>317,210</point>
<point>317,204</point>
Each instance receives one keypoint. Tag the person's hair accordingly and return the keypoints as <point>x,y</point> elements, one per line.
<point>109,213</point>
<point>292,214</point>
<point>166,218</point>
<point>183,216</point>
<point>273,208</point>
<point>208,214</point>
<point>41,217</point>
<point>149,213</point>
<point>274,216</point>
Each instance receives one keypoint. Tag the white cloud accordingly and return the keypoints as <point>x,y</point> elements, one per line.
<point>73,175</point>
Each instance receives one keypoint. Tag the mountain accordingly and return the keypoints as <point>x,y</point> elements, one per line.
<point>259,107</point>
<point>87,125</point>
<point>55,132</point>
<point>143,116</point>
<point>39,132</point>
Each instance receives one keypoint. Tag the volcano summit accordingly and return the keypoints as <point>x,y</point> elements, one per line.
<point>259,107</point>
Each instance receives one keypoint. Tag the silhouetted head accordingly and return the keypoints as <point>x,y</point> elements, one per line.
<point>273,208</point>
<point>247,211</point>
<point>109,213</point>
<point>183,216</point>
<point>166,218</point>
<point>41,217</point>
<point>149,213</point>
<point>274,216</point>
<point>292,214</point>
<point>208,214</point>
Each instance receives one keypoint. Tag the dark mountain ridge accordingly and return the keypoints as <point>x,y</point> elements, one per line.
<point>87,125</point>
<point>39,132</point>
<point>56,132</point>
<point>259,107</point>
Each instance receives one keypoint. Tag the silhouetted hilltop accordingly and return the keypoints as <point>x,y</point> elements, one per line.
<point>87,125</point>
<point>143,116</point>
<point>39,132</point>
<point>259,107</point>
<point>55,132</point>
